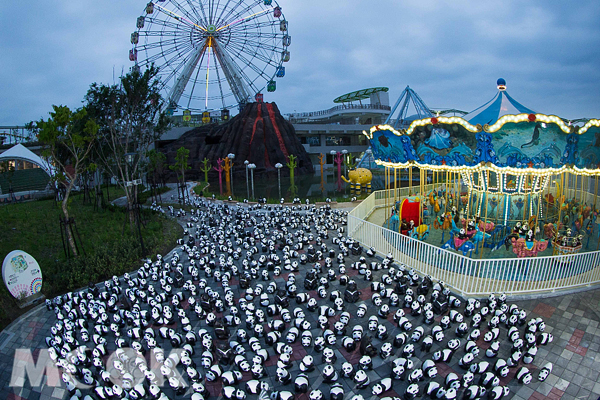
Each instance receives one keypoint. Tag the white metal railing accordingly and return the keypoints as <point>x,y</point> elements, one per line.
<point>470,276</point>
<point>378,198</point>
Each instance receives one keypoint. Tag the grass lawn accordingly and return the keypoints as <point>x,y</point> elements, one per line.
<point>111,246</point>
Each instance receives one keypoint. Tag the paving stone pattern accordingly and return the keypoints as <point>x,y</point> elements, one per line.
<point>572,319</point>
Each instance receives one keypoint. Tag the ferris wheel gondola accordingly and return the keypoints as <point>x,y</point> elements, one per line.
<point>212,54</point>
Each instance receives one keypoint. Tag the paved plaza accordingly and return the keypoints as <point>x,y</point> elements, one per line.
<point>572,318</point>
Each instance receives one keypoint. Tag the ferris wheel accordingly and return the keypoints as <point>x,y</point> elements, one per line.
<point>212,54</point>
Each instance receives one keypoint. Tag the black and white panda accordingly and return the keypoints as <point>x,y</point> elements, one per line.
<point>524,376</point>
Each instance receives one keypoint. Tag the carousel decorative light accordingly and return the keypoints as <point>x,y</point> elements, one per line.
<point>501,157</point>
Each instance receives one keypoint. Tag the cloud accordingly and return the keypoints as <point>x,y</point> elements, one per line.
<point>451,53</point>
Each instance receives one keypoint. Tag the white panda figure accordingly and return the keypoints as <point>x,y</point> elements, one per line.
<point>524,376</point>
<point>382,386</point>
<point>434,390</point>
<point>498,392</point>
<point>529,355</point>
<point>545,372</point>
<point>253,386</point>
<point>347,370</point>
<point>301,383</point>
<point>412,391</point>
<point>361,379</point>
<point>336,392</point>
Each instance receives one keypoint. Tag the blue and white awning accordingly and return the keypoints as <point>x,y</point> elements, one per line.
<point>502,104</point>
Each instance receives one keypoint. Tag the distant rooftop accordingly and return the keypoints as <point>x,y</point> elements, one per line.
<point>359,95</point>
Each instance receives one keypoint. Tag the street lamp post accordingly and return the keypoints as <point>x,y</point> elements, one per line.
<point>231,156</point>
<point>345,154</point>
<point>279,166</point>
<point>252,167</point>
<point>247,186</point>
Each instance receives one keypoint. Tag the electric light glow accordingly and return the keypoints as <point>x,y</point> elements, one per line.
<point>525,118</point>
<point>588,125</point>
<point>443,120</point>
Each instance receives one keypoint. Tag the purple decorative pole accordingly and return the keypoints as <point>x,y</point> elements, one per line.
<point>338,161</point>
<point>219,169</point>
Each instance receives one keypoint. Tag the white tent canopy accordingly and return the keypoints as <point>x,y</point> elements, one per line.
<point>20,152</point>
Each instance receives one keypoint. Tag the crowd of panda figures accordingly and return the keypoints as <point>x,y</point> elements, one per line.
<point>262,299</point>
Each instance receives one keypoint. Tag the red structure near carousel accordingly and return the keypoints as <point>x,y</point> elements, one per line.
<point>500,182</point>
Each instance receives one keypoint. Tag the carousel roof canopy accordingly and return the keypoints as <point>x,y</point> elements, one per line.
<point>502,104</point>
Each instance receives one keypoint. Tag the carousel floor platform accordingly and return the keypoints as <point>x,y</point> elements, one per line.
<point>380,216</point>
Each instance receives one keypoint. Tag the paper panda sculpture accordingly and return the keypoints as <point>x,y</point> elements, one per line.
<point>545,372</point>
<point>524,376</point>
<point>329,374</point>
<point>301,383</point>
<point>361,379</point>
<point>336,392</point>
<point>348,370</point>
<point>498,392</point>
<point>382,386</point>
<point>412,391</point>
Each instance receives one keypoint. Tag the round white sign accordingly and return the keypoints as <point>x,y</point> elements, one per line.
<point>22,274</point>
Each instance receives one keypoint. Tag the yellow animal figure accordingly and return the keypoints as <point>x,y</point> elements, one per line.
<point>359,178</point>
<point>434,202</point>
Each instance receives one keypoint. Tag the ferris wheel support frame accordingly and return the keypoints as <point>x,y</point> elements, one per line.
<point>234,78</point>
<point>184,78</point>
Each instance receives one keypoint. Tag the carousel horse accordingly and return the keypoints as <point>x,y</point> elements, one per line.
<point>528,246</point>
<point>459,242</point>
<point>497,237</point>
<point>433,200</point>
<point>587,211</point>
<point>549,231</point>
<point>471,229</point>
<point>455,229</point>
<point>442,221</point>
<point>507,241</point>
<point>486,226</point>
<point>589,227</point>
<point>447,222</point>
<point>478,238</point>
<point>578,218</point>
<point>420,232</point>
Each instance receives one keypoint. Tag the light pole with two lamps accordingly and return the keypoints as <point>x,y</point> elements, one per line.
<point>252,168</point>
<point>246,163</point>
<point>279,166</point>
<point>231,156</point>
<point>345,155</point>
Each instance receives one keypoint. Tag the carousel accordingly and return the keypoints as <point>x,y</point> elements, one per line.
<point>501,181</point>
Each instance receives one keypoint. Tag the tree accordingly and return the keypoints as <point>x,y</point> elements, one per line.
<point>67,138</point>
<point>156,167</point>
<point>181,164</point>
<point>131,119</point>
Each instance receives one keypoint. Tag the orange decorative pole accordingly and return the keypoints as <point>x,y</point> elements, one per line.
<point>227,164</point>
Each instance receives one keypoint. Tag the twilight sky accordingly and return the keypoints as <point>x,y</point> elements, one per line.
<point>450,52</point>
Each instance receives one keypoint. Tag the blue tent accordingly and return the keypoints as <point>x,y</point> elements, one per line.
<point>502,104</point>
